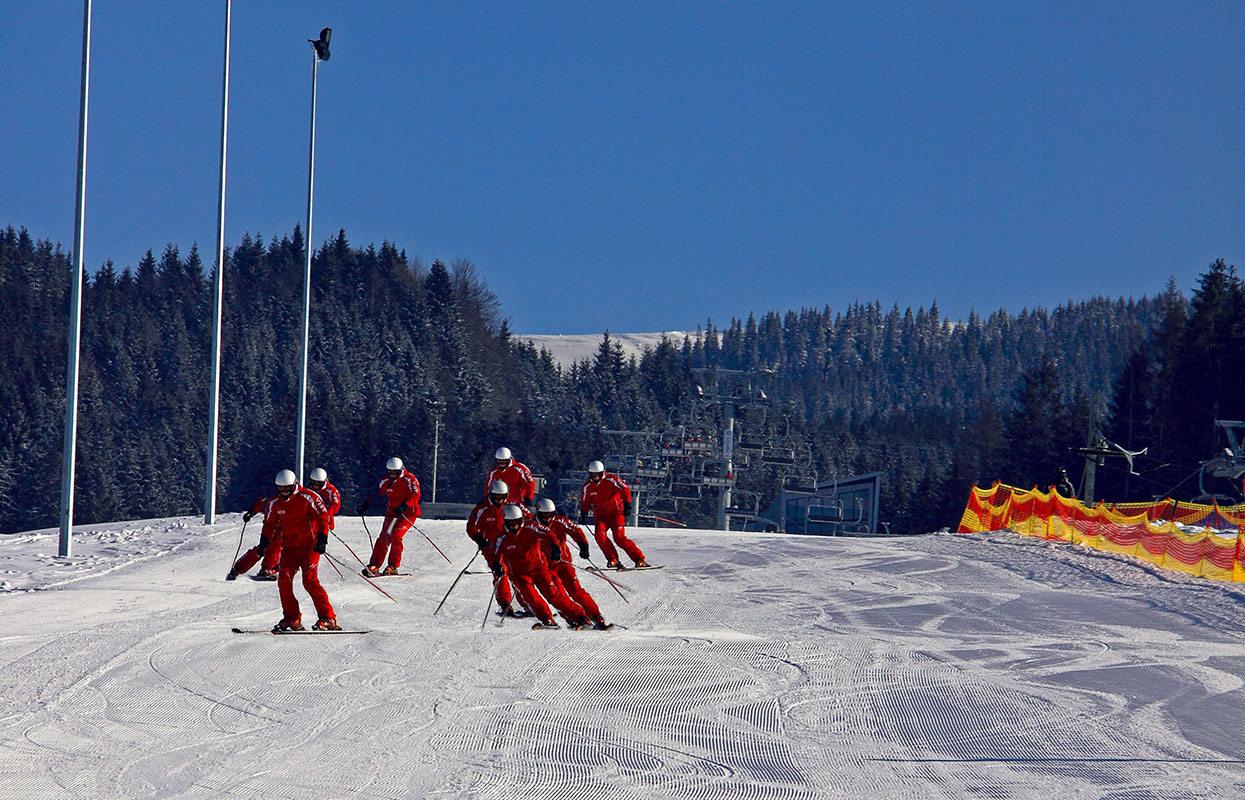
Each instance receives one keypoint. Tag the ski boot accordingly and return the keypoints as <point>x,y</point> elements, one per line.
<point>326,624</point>
<point>370,571</point>
<point>266,575</point>
<point>232,576</point>
<point>286,624</point>
<point>389,570</point>
<point>642,563</point>
<point>548,623</point>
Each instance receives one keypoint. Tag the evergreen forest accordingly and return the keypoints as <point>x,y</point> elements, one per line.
<point>934,404</point>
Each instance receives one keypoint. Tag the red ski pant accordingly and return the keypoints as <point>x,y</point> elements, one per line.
<point>500,585</point>
<point>565,573</point>
<point>308,560</point>
<point>531,585</point>
<point>271,556</point>
<point>390,541</point>
<point>604,526</point>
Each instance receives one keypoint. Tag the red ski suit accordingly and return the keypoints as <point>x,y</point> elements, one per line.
<point>401,492</point>
<point>518,477</point>
<point>269,547</point>
<point>605,498</point>
<point>332,501</point>
<point>559,529</point>
<point>524,554</point>
<point>485,523</point>
<point>303,519</point>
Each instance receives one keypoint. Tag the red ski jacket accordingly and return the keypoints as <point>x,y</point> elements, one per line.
<point>301,517</point>
<point>518,477</point>
<point>485,521</point>
<point>559,528</point>
<point>403,489</point>
<point>332,501</point>
<point>527,549</point>
<point>605,497</point>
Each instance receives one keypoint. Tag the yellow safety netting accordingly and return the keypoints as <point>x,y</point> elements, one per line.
<point>1148,531</point>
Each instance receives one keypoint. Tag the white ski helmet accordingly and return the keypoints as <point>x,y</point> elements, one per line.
<point>499,487</point>
<point>286,478</point>
<point>503,454</point>
<point>393,463</point>
<point>512,513</point>
<point>596,466</point>
<point>545,506</point>
<point>318,475</point>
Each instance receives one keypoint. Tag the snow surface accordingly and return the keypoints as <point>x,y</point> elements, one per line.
<point>752,666</point>
<point>566,349</point>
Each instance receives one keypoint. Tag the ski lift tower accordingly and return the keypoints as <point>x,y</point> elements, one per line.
<point>729,389</point>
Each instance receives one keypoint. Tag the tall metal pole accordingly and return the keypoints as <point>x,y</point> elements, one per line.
<point>436,448</point>
<point>728,455</point>
<point>75,301</point>
<point>311,182</point>
<point>218,302</point>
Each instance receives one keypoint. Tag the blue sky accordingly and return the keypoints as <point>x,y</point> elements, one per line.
<point>639,166</point>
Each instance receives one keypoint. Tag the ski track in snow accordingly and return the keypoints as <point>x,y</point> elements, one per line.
<point>755,666</point>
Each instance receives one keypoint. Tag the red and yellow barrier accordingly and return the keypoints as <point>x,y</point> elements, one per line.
<point>1147,531</point>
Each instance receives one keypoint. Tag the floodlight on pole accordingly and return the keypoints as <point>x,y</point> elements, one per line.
<point>218,299</point>
<point>320,52</point>
<point>75,302</point>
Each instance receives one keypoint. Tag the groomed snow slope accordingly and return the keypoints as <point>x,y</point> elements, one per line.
<point>753,666</point>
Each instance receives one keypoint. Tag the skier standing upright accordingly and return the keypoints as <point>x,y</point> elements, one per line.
<point>400,490</point>
<point>318,482</point>
<point>608,497</point>
<point>515,475</point>
<point>303,520</point>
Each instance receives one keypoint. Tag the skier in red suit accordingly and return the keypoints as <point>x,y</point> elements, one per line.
<point>484,527</point>
<point>564,569</point>
<point>608,497</point>
<point>523,550</point>
<point>401,492</point>
<point>304,524</point>
<point>515,475</point>
<point>269,547</point>
<point>318,482</point>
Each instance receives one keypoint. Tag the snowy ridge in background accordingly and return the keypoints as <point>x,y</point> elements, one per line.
<point>567,349</point>
<point>753,665</point>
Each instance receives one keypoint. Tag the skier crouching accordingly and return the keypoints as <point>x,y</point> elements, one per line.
<point>269,547</point>
<point>485,526</point>
<point>303,520</point>
<point>523,548</point>
<point>559,528</point>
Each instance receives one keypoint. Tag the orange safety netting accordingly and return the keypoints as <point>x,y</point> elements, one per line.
<point>1148,531</point>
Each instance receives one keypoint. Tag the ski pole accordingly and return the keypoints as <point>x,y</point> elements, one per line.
<point>455,583</point>
<point>597,571</point>
<point>370,543</point>
<point>348,547</point>
<point>489,607</point>
<point>240,535</point>
<point>373,585</point>
<point>334,566</point>
<point>671,521</point>
<point>426,536</point>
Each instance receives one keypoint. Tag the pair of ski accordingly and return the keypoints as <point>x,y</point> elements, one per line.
<point>621,568</point>
<point>297,633</point>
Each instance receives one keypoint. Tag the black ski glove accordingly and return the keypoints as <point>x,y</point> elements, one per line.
<point>263,545</point>
<point>400,510</point>
<point>499,571</point>
<point>627,509</point>
<point>322,543</point>
<point>480,541</point>
<point>583,551</point>
<point>359,509</point>
<point>583,518</point>
<point>246,515</point>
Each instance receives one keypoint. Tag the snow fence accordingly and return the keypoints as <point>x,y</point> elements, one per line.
<point>1154,532</point>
